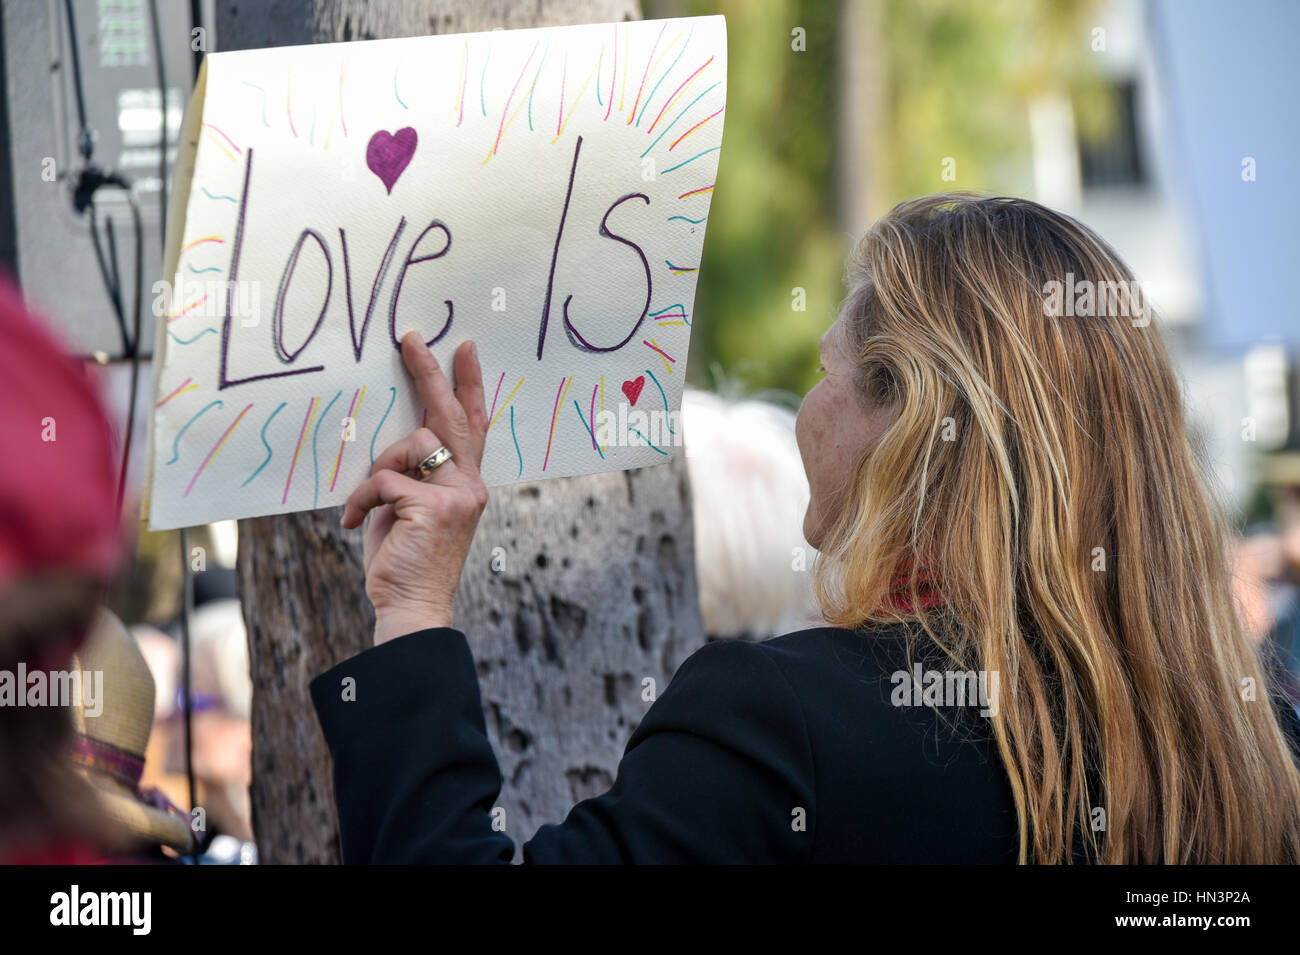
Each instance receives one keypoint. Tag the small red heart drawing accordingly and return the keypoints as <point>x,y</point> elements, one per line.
<point>633,388</point>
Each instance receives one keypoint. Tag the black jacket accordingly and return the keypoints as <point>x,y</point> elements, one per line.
<point>785,751</point>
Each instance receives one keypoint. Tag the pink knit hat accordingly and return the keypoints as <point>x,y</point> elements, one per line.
<point>57,457</point>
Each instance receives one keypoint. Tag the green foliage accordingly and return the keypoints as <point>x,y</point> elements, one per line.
<point>955,80</point>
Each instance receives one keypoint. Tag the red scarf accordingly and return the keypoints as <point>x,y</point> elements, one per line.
<point>899,597</point>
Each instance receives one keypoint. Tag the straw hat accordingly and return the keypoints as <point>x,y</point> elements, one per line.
<point>111,745</point>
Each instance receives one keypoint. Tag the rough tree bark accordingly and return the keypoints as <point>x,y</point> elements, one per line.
<point>577,590</point>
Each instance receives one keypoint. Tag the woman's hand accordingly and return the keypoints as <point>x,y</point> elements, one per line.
<point>419,531</point>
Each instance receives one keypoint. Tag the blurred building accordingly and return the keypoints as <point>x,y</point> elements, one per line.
<point>1196,93</point>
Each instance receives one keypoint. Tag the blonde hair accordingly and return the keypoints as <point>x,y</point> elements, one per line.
<point>1040,469</point>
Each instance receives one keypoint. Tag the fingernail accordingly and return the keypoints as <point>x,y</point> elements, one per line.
<point>473,351</point>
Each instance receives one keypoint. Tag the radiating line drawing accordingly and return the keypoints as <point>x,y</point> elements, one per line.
<point>187,308</point>
<point>315,460</point>
<point>559,400</point>
<point>391,400</point>
<point>589,429</point>
<point>357,398</point>
<point>265,121</point>
<point>676,93</point>
<point>293,464</point>
<point>215,448</point>
<point>666,74</point>
<point>188,341</point>
<point>516,437</point>
<point>664,396</point>
<point>647,440</point>
<point>694,128</point>
<point>503,407</point>
<point>269,452</point>
<point>646,75</point>
<point>663,354</point>
<point>681,164</point>
<point>677,117</point>
<point>176,442</point>
<point>696,192</point>
<point>207,238</point>
<point>189,384</point>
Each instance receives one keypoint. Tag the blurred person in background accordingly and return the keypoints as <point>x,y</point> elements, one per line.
<point>1283,644</point>
<point>59,548</point>
<point>112,742</point>
<point>753,575</point>
<point>222,702</point>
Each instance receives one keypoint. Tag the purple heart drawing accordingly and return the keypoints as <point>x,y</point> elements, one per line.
<point>389,154</point>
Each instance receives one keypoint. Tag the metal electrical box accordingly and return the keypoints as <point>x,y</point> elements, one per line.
<point>44,241</point>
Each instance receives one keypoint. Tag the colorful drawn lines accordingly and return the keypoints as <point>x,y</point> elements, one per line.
<point>207,238</point>
<point>211,196</point>
<point>397,69</point>
<point>588,427</point>
<point>482,79</point>
<point>647,440</point>
<point>516,437</point>
<point>501,127</point>
<point>696,192</point>
<point>564,75</point>
<point>315,460</point>
<point>667,313</point>
<point>495,396</point>
<point>269,452</point>
<point>176,442</point>
<point>666,74</point>
<point>546,57</point>
<point>646,75</point>
<point>676,93</point>
<point>652,344</point>
<point>627,55</point>
<point>187,308</point>
<point>576,101</point>
<point>464,75</point>
<point>684,218</point>
<point>306,422</point>
<point>224,137</point>
<point>215,448</point>
<point>694,128</point>
<point>288,102</point>
<point>357,396</point>
<point>692,159</point>
<point>189,384</point>
<point>664,396</point>
<point>669,127</point>
<point>265,121</point>
<point>495,413</point>
<point>391,399</point>
<point>613,74</point>
<point>343,120</point>
<point>559,399</point>
<point>680,270</point>
<point>189,341</point>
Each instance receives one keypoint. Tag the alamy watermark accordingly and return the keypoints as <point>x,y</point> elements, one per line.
<point>916,687</point>
<point>1084,298</point>
<point>35,688</point>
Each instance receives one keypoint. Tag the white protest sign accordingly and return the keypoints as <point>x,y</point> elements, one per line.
<point>542,192</point>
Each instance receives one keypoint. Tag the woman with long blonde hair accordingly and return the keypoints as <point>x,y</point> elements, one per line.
<point>1031,652</point>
